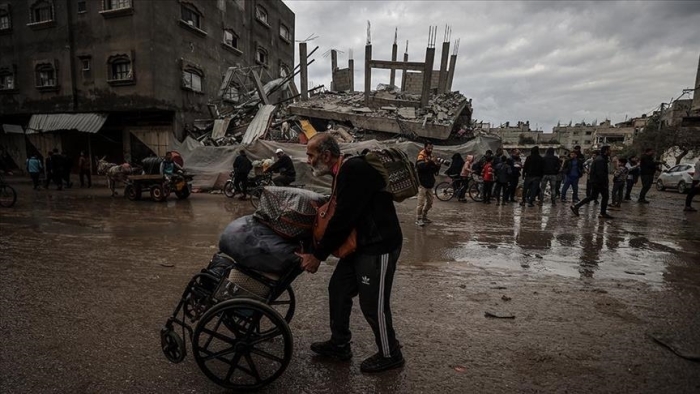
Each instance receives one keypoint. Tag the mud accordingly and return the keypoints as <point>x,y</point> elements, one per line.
<point>87,281</point>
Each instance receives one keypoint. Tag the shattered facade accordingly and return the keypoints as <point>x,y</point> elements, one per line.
<point>152,66</point>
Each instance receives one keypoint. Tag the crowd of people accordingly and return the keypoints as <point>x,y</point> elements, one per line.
<point>503,173</point>
<point>56,169</point>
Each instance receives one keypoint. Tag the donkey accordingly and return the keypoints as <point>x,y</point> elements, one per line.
<point>114,172</point>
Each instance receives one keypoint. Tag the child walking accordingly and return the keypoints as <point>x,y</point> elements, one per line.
<point>487,173</point>
<point>619,182</point>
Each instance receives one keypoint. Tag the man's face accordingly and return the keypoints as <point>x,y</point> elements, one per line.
<point>429,149</point>
<point>168,157</point>
<point>279,155</point>
<point>572,154</point>
<point>319,162</point>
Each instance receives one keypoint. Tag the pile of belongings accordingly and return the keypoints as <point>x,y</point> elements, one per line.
<point>268,240</point>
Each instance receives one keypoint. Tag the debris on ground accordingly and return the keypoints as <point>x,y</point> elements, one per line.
<point>634,272</point>
<point>459,368</point>
<point>498,315</point>
<point>674,346</point>
<point>506,298</point>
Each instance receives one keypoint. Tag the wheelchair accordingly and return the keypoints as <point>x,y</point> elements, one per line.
<point>237,321</point>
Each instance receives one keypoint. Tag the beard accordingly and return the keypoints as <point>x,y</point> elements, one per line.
<point>320,170</point>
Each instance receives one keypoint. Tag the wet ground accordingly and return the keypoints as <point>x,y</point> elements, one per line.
<point>87,281</point>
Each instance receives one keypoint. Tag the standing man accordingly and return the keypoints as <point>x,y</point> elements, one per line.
<point>67,163</point>
<point>241,167</point>
<point>693,190</point>
<point>647,169</point>
<point>515,166</point>
<point>56,169</point>
<point>598,175</point>
<point>34,168</point>
<point>84,168</point>
<point>573,171</point>
<point>533,169</point>
<point>587,167</point>
<point>285,167</point>
<point>632,177</point>
<point>427,168</point>
<point>365,206</point>
<point>550,169</point>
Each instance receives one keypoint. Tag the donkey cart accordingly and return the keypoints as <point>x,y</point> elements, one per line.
<point>236,320</point>
<point>158,186</point>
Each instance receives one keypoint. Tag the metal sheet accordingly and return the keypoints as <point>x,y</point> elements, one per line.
<point>220,127</point>
<point>258,127</point>
<point>86,122</point>
<point>13,128</point>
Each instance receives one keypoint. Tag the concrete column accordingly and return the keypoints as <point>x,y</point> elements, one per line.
<point>392,75</point>
<point>451,72</point>
<point>304,74</point>
<point>442,82</point>
<point>696,93</point>
<point>427,76</point>
<point>334,66</point>
<point>403,73</point>
<point>368,72</point>
<point>351,67</point>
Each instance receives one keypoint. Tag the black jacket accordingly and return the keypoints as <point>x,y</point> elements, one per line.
<point>534,166</point>
<point>647,165</point>
<point>567,167</point>
<point>426,170</point>
<point>598,173</point>
<point>550,165</point>
<point>284,166</point>
<point>242,165</point>
<point>362,204</point>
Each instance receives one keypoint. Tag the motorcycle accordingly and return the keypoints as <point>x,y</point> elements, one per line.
<point>254,186</point>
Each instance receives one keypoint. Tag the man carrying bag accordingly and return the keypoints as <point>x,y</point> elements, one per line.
<point>362,206</point>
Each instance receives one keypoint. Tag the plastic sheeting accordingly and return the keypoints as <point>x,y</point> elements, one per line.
<point>208,163</point>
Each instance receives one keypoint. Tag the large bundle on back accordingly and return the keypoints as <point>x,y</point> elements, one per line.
<point>151,165</point>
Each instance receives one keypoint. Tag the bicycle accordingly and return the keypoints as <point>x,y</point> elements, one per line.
<point>445,191</point>
<point>476,189</point>
<point>8,195</point>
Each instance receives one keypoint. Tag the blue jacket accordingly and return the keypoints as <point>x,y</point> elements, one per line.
<point>34,165</point>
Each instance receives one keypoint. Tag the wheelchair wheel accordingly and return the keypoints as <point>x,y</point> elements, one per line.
<point>248,351</point>
<point>475,191</point>
<point>444,191</point>
<point>285,304</point>
<point>172,345</point>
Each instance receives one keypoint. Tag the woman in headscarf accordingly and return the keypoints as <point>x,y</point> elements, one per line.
<point>455,166</point>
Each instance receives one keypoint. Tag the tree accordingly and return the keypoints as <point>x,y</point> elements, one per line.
<point>661,138</point>
<point>523,140</point>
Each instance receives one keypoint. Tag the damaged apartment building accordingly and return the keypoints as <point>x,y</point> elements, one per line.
<point>123,78</point>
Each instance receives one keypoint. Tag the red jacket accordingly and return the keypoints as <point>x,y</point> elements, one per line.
<point>487,172</point>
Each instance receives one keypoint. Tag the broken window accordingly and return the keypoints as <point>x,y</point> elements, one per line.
<point>589,132</point>
<point>85,63</point>
<point>191,16</point>
<point>5,20</point>
<point>261,14</point>
<point>45,75</point>
<point>192,80</point>
<point>7,79</point>
<point>284,70</point>
<point>587,142</point>
<point>230,38</point>
<point>41,11</point>
<point>120,70</point>
<point>285,33</point>
<point>261,56</point>
<point>116,4</point>
<point>82,6</point>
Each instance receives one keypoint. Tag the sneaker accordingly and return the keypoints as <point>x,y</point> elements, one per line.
<point>379,363</point>
<point>574,210</point>
<point>426,220</point>
<point>689,209</point>
<point>605,216</point>
<point>330,349</point>
<point>643,201</point>
<point>420,223</point>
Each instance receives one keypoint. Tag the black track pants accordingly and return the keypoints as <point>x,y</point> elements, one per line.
<point>371,277</point>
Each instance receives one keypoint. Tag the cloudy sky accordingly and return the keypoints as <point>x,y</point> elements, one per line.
<point>539,61</point>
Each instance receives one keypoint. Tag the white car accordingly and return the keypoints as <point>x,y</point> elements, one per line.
<point>678,177</point>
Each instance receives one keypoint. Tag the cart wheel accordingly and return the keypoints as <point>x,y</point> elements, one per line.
<point>249,351</point>
<point>444,191</point>
<point>255,196</point>
<point>229,190</point>
<point>132,192</point>
<point>157,193</point>
<point>183,194</point>
<point>173,346</point>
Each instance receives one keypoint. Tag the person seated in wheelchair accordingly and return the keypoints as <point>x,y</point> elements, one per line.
<point>168,168</point>
<point>285,167</point>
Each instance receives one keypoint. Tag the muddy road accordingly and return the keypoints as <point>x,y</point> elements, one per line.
<point>87,281</point>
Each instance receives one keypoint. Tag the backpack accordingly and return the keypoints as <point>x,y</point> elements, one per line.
<point>397,170</point>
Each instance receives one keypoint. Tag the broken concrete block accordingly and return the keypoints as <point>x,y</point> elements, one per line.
<point>407,112</point>
<point>362,110</point>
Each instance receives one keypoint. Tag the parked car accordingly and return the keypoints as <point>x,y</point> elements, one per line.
<point>679,177</point>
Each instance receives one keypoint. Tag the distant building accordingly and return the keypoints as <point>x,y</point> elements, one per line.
<point>581,134</point>
<point>130,74</point>
<point>521,133</point>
